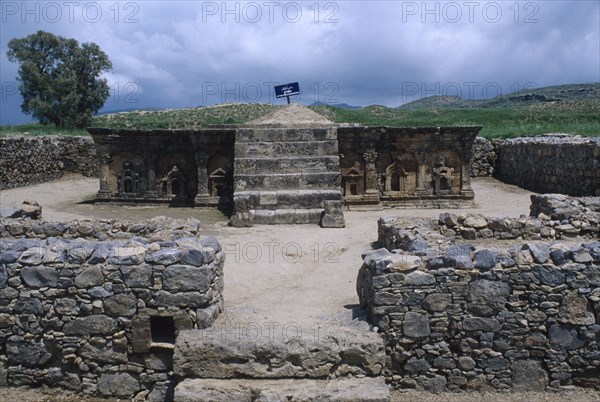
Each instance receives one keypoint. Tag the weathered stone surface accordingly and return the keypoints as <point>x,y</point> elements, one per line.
<point>414,365</point>
<point>91,276</point>
<point>137,277</point>
<point>415,325</point>
<point>166,256</point>
<point>529,376</point>
<point>564,337</point>
<point>121,305</point>
<point>485,259</point>
<point>419,278</point>
<point>208,354</point>
<point>539,252</point>
<point>180,299</point>
<point>548,275</point>
<point>93,324</point>
<point>29,306</point>
<point>182,278</point>
<point>338,390</point>
<point>103,353</point>
<point>132,254</point>
<point>40,276</point>
<point>32,256</point>
<point>475,221</point>
<point>486,298</point>
<point>481,324</point>
<point>437,302</point>
<point>120,384</point>
<point>28,353</point>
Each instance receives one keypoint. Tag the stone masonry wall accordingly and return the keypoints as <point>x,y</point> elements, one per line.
<point>552,164</point>
<point>101,316</point>
<point>485,157</point>
<point>526,318</point>
<point>31,160</point>
<point>552,217</point>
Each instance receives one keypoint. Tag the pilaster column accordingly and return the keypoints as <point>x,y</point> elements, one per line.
<point>421,187</point>
<point>104,159</point>
<point>203,196</point>
<point>150,162</point>
<point>465,182</point>
<point>371,173</point>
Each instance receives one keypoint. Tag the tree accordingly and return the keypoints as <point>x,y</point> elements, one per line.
<point>58,79</point>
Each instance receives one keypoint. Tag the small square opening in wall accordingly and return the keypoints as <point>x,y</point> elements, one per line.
<point>162,330</point>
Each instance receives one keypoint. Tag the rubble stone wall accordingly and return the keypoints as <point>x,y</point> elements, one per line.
<point>30,160</point>
<point>552,164</point>
<point>101,316</point>
<point>526,318</point>
<point>485,157</point>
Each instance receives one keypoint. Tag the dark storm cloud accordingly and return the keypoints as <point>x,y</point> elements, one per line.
<point>178,54</point>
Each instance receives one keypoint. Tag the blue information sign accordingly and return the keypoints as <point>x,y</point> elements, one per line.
<point>282,91</point>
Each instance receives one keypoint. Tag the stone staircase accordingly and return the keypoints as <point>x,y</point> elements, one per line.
<point>286,174</point>
<point>226,365</point>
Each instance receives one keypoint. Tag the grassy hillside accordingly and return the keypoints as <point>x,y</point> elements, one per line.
<point>571,109</point>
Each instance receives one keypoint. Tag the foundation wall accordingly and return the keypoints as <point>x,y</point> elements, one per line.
<point>101,317</point>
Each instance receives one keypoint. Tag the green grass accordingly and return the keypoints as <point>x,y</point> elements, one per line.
<point>572,109</point>
<point>499,122</point>
<point>38,129</point>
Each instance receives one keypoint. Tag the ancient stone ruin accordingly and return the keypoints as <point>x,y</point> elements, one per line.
<point>285,167</point>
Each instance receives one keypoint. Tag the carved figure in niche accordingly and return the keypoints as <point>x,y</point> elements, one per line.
<point>220,184</point>
<point>352,181</point>
<point>173,184</point>
<point>129,180</point>
<point>443,176</point>
<point>395,178</point>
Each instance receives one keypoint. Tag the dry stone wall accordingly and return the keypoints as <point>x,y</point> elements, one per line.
<point>485,157</point>
<point>30,160</point>
<point>526,318</point>
<point>552,164</point>
<point>101,316</point>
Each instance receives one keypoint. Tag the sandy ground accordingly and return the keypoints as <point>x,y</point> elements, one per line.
<point>281,279</point>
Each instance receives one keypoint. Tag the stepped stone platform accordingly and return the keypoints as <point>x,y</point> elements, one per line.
<point>286,168</point>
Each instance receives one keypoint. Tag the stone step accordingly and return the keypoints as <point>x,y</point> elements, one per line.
<point>222,353</point>
<point>289,181</point>
<point>289,199</point>
<point>284,134</point>
<point>335,390</point>
<point>282,164</point>
<point>286,149</point>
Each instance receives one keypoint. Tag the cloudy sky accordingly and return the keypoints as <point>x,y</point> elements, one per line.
<point>189,53</point>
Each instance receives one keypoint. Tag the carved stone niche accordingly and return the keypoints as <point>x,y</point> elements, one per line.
<point>443,177</point>
<point>395,179</point>
<point>173,184</point>
<point>353,183</point>
<point>219,184</point>
<point>130,182</point>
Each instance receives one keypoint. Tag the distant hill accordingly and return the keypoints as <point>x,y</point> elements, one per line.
<point>337,105</point>
<point>559,93</point>
<point>564,108</point>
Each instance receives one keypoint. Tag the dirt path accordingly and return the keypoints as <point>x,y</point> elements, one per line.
<point>295,276</point>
